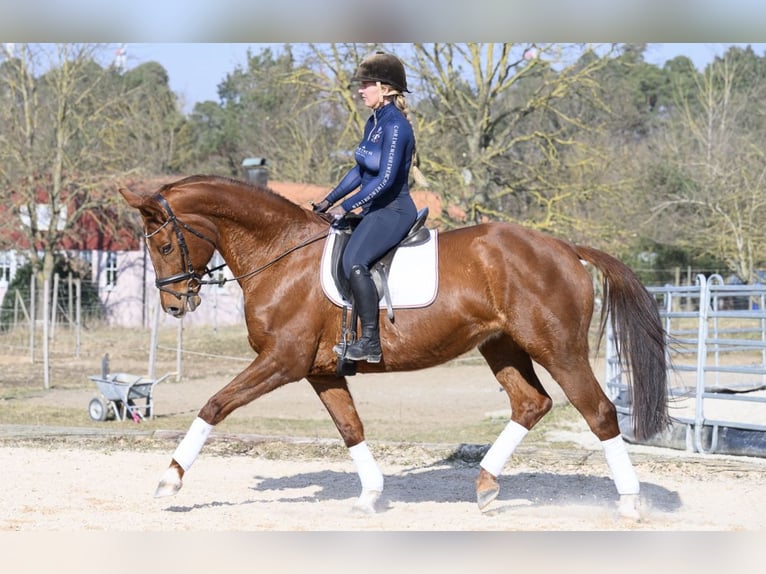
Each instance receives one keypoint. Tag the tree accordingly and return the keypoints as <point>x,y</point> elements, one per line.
<point>210,144</point>
<point>68,127</point>
<point>581,141</point>
<point>280,107</point>
<point>634,99</point>
<point>499,126</point>
<point>153,124</point>
<point>709,181</point>
<point>500,140</point>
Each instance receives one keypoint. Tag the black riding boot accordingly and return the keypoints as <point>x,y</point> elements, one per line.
<point>367,347</point>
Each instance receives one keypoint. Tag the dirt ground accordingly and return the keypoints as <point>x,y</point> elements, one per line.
<point>80,478</point>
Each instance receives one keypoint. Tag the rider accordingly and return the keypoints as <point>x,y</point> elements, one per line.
<point>383,161</point>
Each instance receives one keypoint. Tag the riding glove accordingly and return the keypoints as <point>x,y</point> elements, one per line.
<point>322,206</point>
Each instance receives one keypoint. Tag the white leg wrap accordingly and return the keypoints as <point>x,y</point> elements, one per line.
<point>623,473</point>
<point>187,451</point>
<point>366,467</point>
<point>503,447</point>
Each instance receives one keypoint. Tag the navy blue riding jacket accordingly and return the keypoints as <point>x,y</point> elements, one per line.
<point>383,161</point>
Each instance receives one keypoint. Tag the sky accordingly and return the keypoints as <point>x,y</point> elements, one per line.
<point>196,69</point>
<point>199,42</point>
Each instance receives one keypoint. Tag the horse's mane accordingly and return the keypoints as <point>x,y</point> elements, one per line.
<point>227,181</point>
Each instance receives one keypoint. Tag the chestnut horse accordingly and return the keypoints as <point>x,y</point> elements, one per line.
<point>517,294</point>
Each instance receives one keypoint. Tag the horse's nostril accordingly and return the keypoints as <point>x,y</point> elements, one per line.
<point>175,311</point>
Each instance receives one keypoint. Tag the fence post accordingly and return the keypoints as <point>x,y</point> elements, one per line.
<point>70,302</point>
<point>179,347</point>
<point>689,303</point>
<point>78,310</point>
<point>702,335</point>
<point>16,309</point>
<point>32,315</point>
<point>46,316</point>
<point>15,319</point>
<point>54,305</point>
<point>153,340</point>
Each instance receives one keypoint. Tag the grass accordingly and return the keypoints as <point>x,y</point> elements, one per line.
<point>208,354</point>
<point>127,348</point>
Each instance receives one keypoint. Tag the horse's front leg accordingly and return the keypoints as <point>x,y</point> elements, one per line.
<point>259,378</point>
<point>334,394</point>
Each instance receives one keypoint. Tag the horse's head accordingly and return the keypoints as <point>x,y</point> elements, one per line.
<point>179,252</point>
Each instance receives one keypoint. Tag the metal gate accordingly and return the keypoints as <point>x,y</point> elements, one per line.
<point>717,377</point>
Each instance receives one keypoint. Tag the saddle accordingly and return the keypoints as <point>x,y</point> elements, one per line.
<point>417,235</point>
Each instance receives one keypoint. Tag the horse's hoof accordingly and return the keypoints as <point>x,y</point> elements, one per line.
<point>366,502</point>
<point>487,489</point>
<point>170,483</point>
<point>628,507</point>
<point>485,497</point>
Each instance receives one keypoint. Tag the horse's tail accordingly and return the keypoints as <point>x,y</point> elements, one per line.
<point>639,340</point>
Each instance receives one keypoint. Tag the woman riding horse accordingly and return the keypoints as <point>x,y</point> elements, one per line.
<point>381,173</point>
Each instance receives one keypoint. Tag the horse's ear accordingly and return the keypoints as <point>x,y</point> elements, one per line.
<point>147,205</point>
<point>134,199</point>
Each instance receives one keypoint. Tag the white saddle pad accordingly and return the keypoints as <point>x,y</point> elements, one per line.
<point>413,279</point>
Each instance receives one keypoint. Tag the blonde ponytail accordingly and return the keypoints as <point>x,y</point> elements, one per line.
<point>401,103</point>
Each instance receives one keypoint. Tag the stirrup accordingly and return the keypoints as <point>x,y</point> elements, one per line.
<point>348,336</point>
<point>340,348</point>
<point>364,354</point>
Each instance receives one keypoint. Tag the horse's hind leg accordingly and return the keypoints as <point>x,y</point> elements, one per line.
<point>529,403</point>
<point>334,394</point>
<point>583,390</point>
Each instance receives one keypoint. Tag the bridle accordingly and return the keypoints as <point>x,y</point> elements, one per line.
<point>194,280</point>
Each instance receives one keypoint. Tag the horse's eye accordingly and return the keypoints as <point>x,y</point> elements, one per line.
<point>167,248</point>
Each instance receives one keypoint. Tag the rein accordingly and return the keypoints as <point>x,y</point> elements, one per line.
<point>195,280</point>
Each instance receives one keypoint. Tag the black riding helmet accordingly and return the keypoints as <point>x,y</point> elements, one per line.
<point>383,68</point>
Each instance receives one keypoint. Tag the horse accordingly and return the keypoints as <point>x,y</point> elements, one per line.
<point>518,295</point>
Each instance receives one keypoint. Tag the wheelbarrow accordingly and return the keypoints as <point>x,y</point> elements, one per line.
<point>123,395</point>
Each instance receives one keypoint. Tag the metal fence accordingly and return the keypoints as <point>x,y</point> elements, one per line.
<point>717,355</point>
